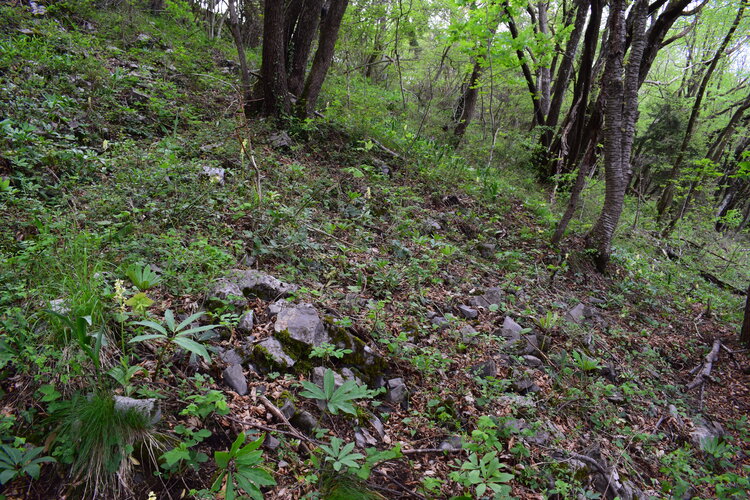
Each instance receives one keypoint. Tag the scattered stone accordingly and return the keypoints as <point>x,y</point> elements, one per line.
<point>487,250</point>
<point>397,391</point>
<point>304,421</point>
<point>468,334</point>
<point>450,200</point>
<point>517,401</point>
<point>440,322</point>
<point>271,443</point>
<point>467,312</point>
<point>214,174</point>
<point>580,313</point>
<point>431,314</point>
<point>532,361</point>
<point>453,443</point>
<point>288,409</point>
<point>598,301</point>
<point>231,357</point>
<point>275,352</point>
<point>348,374</point>
<point>704,431</point>
<point>248,260</point>
<point>143,38</point>
<point>523,383</point>
<point>382,166</point>
<point>229,293</point>
<point>281,140</point>
<point>486,369</point>
<point>234,377</point>
<point>511,329</point>
<point>148,408</point>
<point>276,307</point>
<point>492,296</point>
<point>245,325</point>
<point>431,225</point>
<point>363,438</point>
<point>37,9</point>
<point>608,371</point>
<point>318,377</point>
<point>250,283</point>
<point>378,426</point>
<point>302,323</point>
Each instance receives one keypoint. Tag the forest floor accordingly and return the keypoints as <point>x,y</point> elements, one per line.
<point>522,370</point>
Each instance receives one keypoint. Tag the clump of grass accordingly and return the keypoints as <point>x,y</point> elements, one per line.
<point>97,440</point>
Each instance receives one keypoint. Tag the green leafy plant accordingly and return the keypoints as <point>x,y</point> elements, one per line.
<point>177,334</point>
<point>123,373</point>
<point>585,363</point>
<point>341,455</point>
<point>90,344</point>
<point>327,351</point>
<point>336,399</point>
<point>182,454</point>
<point>483,472</point>
<point>242,468</point>
<point>142,276</point>
<point>139,302</point>
<point>19,461</point>
<point>205,404</point>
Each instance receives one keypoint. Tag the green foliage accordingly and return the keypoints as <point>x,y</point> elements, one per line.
<point>90,344</point>
<point>327,351</point>
<point>183,454</point>
<point>178,334</point>
<point>341,455</point>
<point>206,403</point>
<point>585,363</point>
<point>336,400</point>
<point>21,461</point>
<point>241,468</point>
<point>123,373</point>
<point>483,472</point>
<point>142,276</point>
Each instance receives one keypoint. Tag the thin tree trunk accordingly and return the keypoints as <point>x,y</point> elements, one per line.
<point>234,23</point>
<point>665,201</point>
<point>717,148</point>
<point>745,333</point>
<point>467,103</point>
<point>533,91</point>
<point>621,112</point>
<point>301,44</point>
<point>544,78</point>
<point>329,32</point>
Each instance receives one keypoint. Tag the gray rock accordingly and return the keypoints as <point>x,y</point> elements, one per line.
<point>532,361</point>
<point>704,431</point>
<point>281,140</point>
<point>523,383</point>
<point>377,424</point>
<point>303,324</point>
<point>304,421</point>
<point>397,391</point>
<point>468,334</point>
<point>276,307</point>
<point>453,443</point>
<point>348,374</point>
<point>276,351</point>
<point>228,292</point>
<point>214,174</point>
<point>318,377</point>
<point>487,250</point>
<point>467,312</point>
<point>248,260</point>
<point>492,296</point>
<point>532,345</point>
<point>235,378</point>
<point>516,400</point>
<point>288,409</point>
<point>148,408</point>
<point>231,357</point>
<point>440,322</point>
<point>271,443</point>
<point>484,370</point>
<point>431,225</point>
<point>245,325</point>
<point>363,438</point>
<point>260,284</point>
<point>580,313</point>
<point>510,329</point>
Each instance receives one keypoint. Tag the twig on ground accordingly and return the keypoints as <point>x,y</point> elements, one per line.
<point>708,364</point>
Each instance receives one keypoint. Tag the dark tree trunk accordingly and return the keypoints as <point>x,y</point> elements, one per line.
<point>533,91</point>
<point>329,32</point>
<point>271,92</point>
<point>467,103</point>
<point>377,49</point>
<point>717,148</point>
<point>621,112</point>
<point>234,23</point>
<point>301,43</point>
<point>665,201</point>
<point>745,333</point>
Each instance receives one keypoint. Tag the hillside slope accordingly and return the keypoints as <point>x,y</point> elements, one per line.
<point>492,361</point>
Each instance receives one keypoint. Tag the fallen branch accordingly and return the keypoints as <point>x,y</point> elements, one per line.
<point>708,364</point>
<point>425,451</point>
<point>304,440</point>
<point>721,284</point>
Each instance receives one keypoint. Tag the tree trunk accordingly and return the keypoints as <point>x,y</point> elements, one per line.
<point>239,43</point>
<point>467,103</point>
<point>717,148</point>
<point>665,201</point>
<point>544,77</point>
<point>745,333</point>
<point>301,43</point>
<point>272,86</point>
<point>329,32</point>
<point>621,112</point>
<point>533,91</point>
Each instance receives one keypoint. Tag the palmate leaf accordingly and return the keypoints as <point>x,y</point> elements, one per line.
<point>153,325</point>
<point>312,391</point>
<point>187,321</point>
<point>247,485</point>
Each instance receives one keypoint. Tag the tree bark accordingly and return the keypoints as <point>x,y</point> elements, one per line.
<point>467,103</point>
<point>329,32</point>
<point>621,112</point>
<point>271,89</point>
<point>247,90</point>
<point>300,44</point>
<point>665,201</point>
<point>533,91</point>
<point>745,333</point>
